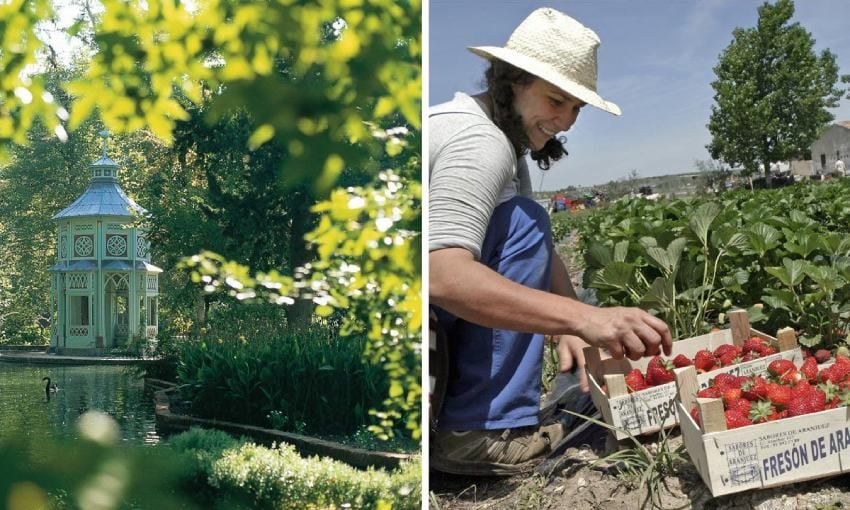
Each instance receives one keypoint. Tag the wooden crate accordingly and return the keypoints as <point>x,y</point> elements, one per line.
<point>768,454</point>
<point>650,410</point>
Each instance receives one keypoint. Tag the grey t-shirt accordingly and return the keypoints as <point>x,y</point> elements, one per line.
<point>472,169</point>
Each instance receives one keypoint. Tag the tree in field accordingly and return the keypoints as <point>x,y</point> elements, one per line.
<point>772,92</point>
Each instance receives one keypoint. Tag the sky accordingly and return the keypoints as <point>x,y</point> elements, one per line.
<point>656,62</point>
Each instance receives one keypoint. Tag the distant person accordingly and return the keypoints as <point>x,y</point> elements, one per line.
<point>839,168</point>
<point>496,284</point>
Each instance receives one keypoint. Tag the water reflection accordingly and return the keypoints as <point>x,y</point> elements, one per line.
<point>26,406</point>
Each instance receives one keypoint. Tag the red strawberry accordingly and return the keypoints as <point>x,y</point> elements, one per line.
<point>823,355</point>
<point>750,356</point>
<point>784,370</point>
<point>809,369</point>
<point>635,380</point>
<point>768,350</point>
<point>705,361</point>
<point>740,404</point>
<point>682,361</point>
<point>780,367</point>
<point>710,392</point>
<point>837,373</point>
<point>779,395</point>
<point>659,371</point>
<point>736,419</point>
<point>729,358</point>
<point>812,402</point>
<point>724,381</point>
<point>695,414</point>
<point>754,344</point>
<point>731,395</point>
<point>724,349</point>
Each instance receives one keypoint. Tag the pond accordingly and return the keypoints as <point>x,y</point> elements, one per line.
<point>26,408</point>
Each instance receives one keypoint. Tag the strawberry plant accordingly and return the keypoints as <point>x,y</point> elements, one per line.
<point>782,254</point>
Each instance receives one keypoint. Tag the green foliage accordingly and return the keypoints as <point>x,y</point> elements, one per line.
<point>350,65</point>
<point>246,367</point>
<point>691,260</point>
<point>368,249</point>
<point>336,84</point>
<point>772,92</point>
<point>279,478</point>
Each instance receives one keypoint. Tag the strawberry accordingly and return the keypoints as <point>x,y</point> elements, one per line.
<point>695,414</point>
<point>635,380</point>
<point>682,361</point>
<point>736,419</point>
<point>731,395</point>
<point>823,355</point>
<point>812,402</point>
<point>723,349</point>
<point>659,371</point>
<point>838,372</point>
<point>750,356</point>
<point>809,369</point>
<point>705,361</point>
<point>754,344</point>
<point>739,404</point>
<point>781,366</point>
<point>768,350</point>
<point>784,370</point>
<point>724,381</point>
<point>779,395</point>
<point>748,389</point>
<point>730,357</point>
<point>710,392</point>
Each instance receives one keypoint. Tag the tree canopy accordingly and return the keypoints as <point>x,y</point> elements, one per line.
<point>331,88</point>
<point>772,92</point>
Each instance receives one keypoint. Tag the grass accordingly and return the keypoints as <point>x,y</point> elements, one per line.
<point>643,467</point>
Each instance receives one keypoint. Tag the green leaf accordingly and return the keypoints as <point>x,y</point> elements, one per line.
<point>702,219</point>
<point>598,255</point>
<point>621,249</point>
<point>616,275</point>
<point>660,293</point>
<point>763,238</point>
<point>809,341</point>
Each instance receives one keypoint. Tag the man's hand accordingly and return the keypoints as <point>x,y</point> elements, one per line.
<point>570,351</point>
<point>629,332</point>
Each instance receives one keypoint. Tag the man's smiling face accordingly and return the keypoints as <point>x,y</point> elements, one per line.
<point>545,109</point>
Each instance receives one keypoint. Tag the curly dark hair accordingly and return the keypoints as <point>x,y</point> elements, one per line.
<point>498,78</point>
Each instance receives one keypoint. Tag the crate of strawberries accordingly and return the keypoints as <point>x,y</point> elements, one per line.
<point>638,397</point>
<point>788,425</point>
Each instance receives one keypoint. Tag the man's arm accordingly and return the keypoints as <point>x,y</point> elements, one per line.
<point>463,286</point>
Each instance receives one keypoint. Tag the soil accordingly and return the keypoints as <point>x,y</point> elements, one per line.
<point>575,482</point>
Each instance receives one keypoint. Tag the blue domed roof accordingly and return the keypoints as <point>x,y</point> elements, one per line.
<point>104,196</point>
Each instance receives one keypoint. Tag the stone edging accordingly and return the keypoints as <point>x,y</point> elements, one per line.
<point>56,359</point>
<point>306,445</point>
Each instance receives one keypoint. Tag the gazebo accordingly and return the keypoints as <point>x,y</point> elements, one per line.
<point>104,288</point>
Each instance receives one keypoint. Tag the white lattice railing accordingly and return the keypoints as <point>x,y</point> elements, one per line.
<point>78,331</point>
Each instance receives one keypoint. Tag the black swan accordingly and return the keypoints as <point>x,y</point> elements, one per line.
<point>50,388</point>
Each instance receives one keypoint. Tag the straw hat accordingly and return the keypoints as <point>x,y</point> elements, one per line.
<point>553,46</point>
